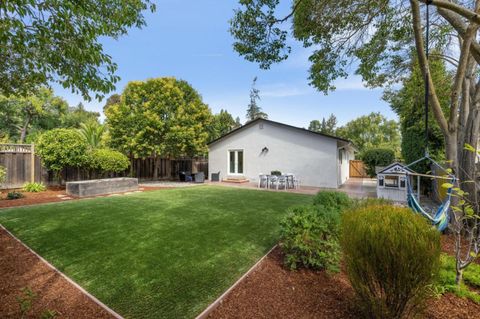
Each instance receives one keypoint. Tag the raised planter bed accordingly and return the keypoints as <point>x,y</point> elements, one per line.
<point>102,186</point>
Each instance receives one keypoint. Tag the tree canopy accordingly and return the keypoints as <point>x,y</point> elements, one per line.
<point>372,131</point>
<point>159,117</point>
<point>222,123</point>
<point>327,126</point>
<point>65,37</point>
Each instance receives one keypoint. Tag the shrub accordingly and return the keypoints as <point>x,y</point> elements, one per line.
<point>107,160</point>
<point>60,148</point>
<point>34,187</point>
<point>3,174</point>
<point>309,238</point>
<point>331,199</point>
<point>14,195</point>
<point>392,257</point>
<point>377,157</point>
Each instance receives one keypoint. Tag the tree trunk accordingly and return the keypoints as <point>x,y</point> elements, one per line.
<point>459,277</point>
<point>23,130</point>
<point>155,166</point>
<point>467,158</point>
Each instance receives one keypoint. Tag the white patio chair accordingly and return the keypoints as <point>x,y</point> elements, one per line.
<point>273,181</point>
<point>296,182</point>
<point>282,181</point>
<point>262,180</point>
<point>290,179</point>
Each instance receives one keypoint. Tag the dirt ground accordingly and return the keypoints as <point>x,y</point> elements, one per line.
<point>271,291</point>
<point>20,269</point>
<point>52,194</point>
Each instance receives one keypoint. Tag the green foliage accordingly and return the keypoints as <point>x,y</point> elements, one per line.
<point>446,279</point>
<point>371,131</point>
<point>159,117</point>
<point>327,126</point>
<point>66,40</point>
<point>77,115</point>
<point>60,148</point>
<point>392,258</point>
<point>33,187</point>
<point>409,104</point>
<point>309,238</point>
<point>48,314</point>
<point>107,160</point>
<point>254,111</point>
<point>14,195</point>
<point>3,174</point>
<point>377,157</point>
<point>25,300</point>
<point>337,201</point>
<point>92,133</point>
<point>222,123</point>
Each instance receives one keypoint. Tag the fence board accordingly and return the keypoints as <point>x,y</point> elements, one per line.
<point>357,169</point>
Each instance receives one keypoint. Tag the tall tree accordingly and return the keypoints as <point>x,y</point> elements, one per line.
<point>372,131</point>
<point>238,123</point>
<point>222,123</point>
<point>162,117</point>
<point>327,126</point>
<point>76,115</point>
<point>254,111</point>
<point>36,112</point>
<point>65,37</point>
<point>409,104</point>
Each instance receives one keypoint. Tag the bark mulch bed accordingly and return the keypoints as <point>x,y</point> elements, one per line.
<point>20,269</point>
<point>271,291</point>
<point>52,194</point>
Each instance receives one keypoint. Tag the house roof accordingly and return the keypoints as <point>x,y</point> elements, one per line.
<point>248,124</point>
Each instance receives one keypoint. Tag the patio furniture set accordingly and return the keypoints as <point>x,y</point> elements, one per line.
<point>278,181</point>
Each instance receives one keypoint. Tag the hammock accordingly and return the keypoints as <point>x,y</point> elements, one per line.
<point>441,217</point>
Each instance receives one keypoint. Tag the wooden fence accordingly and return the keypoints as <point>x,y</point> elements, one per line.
<point>357,169</point>
<point>24,166</point>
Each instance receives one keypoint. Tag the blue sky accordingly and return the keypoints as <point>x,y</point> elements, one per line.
<point>189,39</point>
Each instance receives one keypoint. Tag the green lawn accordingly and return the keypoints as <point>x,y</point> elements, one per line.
<point>160,254</point>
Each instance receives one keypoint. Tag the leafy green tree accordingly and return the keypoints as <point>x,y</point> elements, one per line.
<point>92,133</point>
<point>238,123</point>
<point>77,115</point>
<point>36,113</point>
<point>162,117</point>
<point>254,111</point>
<point>409,103</point>
<point>372,131</point>
<point>327,126</point>
<point>222,123</point>
<point>65,37</point>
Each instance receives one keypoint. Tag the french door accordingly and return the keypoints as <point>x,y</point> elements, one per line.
<point>235,162</point>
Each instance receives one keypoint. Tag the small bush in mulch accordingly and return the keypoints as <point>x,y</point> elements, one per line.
<point>392,258</point>
<point>309,238</point>
<point>14,195</point>
<point>34,187</point>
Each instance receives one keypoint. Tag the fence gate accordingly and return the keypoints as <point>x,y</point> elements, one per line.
<point>357,169</point>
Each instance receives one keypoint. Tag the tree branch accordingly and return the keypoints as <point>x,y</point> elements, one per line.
<point>288,16</point>
<point>464,12</point>
<point>423,62</point>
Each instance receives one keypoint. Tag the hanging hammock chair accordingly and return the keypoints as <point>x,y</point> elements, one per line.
<point>441,218</point>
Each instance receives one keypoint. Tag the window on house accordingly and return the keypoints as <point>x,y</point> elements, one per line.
<point>391,181</point>
<point>235,162</point>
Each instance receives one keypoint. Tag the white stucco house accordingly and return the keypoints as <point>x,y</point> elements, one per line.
<point>262,146</point>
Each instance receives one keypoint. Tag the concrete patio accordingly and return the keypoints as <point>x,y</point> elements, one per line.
<point>354,187</point>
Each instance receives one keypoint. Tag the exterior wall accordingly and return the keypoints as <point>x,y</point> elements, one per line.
<point>312,158</point>
<point>344,164</point>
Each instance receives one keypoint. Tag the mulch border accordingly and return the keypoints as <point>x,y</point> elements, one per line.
<point>205,313</point>
<point>69,280</point>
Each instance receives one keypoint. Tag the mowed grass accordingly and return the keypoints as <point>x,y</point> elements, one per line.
<point>159,254</point>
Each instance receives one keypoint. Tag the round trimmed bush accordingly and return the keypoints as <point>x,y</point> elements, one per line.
<point>392,257</point>
<point>107,160</point>
<point>60,148</point>
<point>309,238</point>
